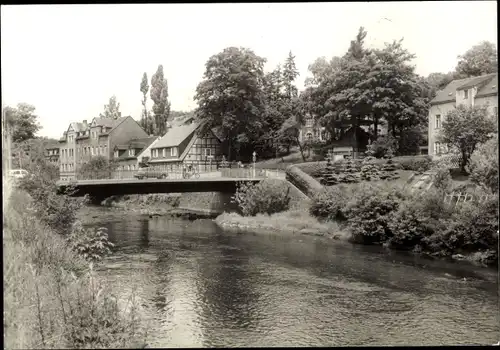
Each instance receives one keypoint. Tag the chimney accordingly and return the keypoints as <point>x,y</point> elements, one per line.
<point>85,123</point>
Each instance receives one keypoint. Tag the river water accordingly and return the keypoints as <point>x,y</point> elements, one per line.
<point>199,286</point>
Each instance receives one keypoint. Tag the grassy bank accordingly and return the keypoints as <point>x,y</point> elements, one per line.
<point>293,222</point>
<point>52,297</point>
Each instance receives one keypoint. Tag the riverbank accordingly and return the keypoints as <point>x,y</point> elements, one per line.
<point>292,222</point>
<point>53,299</point>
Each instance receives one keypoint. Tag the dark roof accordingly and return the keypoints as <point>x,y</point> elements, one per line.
<point>486,84</point>
<point>138,144</point>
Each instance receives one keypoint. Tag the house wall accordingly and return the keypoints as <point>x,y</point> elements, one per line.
<point>197,152</point>
<point>180,149</point>
<point>147,151</point>
<point>442,109</point>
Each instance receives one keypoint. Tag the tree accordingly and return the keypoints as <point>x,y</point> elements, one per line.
<point>478,60</point>
<point>146,122</point>
<point>290,73</point>
<point>464,128</point>
<point>22,122</point>
<point>483,165</point>
<point>321,69</point>
<point>161,106</point>
<point>438,81</point>
<point>231,97</point>
<point>112,109</point>
<point>97,168</point>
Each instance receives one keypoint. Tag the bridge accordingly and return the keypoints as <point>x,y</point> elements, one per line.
<point>225,181</point>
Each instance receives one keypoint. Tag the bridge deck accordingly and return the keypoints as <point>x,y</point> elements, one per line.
<point>156,181</point>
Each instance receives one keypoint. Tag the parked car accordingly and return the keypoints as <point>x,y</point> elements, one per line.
<point>18,173</point>
<point>149,173</point>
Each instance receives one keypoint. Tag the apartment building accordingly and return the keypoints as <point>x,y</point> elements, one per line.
<point>476,91</point>
<point>82,141</point>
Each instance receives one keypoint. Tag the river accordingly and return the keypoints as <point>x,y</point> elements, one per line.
<point>199,286</point>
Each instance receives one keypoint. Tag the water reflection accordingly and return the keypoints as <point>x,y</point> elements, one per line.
<point>200,286</point>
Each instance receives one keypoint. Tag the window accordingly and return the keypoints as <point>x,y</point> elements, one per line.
<point>208,152</point>
<point>437,148</point>
<point>164,152</point>
<point>438,121</point>
<point>116,154</point>
<point>309,123</point>
<point>466,94</point>
<point>131,152</point>
<point>173,152</point>
<point>154,153</point>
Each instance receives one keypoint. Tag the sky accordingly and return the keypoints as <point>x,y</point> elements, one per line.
<point>67,60</point>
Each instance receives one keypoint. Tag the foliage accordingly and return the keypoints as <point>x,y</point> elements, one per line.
<point>369,212</point>
<point>30,155</point>
<point>231,97</point>
<point>442,179</point>
<point>382,144</point>
<point>483,166</point>
<point>414,163</point>
<point>479,60</point>
<point>52,298</point>
<point>98,167</point>
<point>266,197</point>
<point>161,105</point>
<point>57,211</point>
<point>438,81</point>
<point>22,122</point>
<point>410,141</point>
<point>147,122</point>
<point>464,128</point>
<point>330,203</point>
<point>112,109</point>
<point>92,244</point>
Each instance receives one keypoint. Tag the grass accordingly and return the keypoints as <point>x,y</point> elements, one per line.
<point>52,297</point>
<point>288,222</point>
<point>283,162</point>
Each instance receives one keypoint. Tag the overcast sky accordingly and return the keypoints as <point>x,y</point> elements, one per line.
<point>67,60</point>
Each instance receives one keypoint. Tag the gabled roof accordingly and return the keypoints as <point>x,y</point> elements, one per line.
<point>486,85</point>
<point>176,135</point>
<point>138,144</point>
<point>108,122</point>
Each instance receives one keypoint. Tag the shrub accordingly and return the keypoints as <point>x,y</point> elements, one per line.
<point>304,182</point>
<point>97,168</point>
<point>266,197</point>
<point>483,165</point>
<point>91,243</point>
<point>414,163</point>
<point>369,211</point>
<point>382,144</point>
<point>442,180</point>
<point>330,203</point>
<point>409,141</point>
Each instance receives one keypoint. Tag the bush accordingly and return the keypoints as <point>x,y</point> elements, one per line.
<point>410,141</point>
<point>442,180</point>
<point>369,212</point>
<point>92,244</point>
<point>97,168</point>
<point>414,163</point>
<point>330,203</point>
<point>304,182</point>
<point>382,144</point>
<point>52,299</point>
<point>267,197</point>
<point>57,211</point>
<point>483,165</point>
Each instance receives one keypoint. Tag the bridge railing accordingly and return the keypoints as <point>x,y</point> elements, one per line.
<point>248,172</point>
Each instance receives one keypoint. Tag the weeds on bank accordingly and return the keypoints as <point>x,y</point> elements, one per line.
<point>52,296</point>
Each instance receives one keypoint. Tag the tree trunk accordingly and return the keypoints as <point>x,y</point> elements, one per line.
<point>463,163</point>
<point>301,149</point>
<point>375,126</point>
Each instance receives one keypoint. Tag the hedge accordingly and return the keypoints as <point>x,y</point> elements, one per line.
<point>304,182</point>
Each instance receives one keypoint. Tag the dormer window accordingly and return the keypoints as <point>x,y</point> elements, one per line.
<point>131,152</point>
<point>466,94</point>
<point>309,122</point>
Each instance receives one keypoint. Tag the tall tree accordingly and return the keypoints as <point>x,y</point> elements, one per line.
<point>290,73</point>
<point>464,128</point>
<point>321,69</point>
<point>112,109</point>
<point>478,60</point>
<point>22,122</point>
<point>231,97</point>
<point>159,95</point>
<point>146,122</point>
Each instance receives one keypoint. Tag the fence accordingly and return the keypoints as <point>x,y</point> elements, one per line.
<point>179,174</point>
